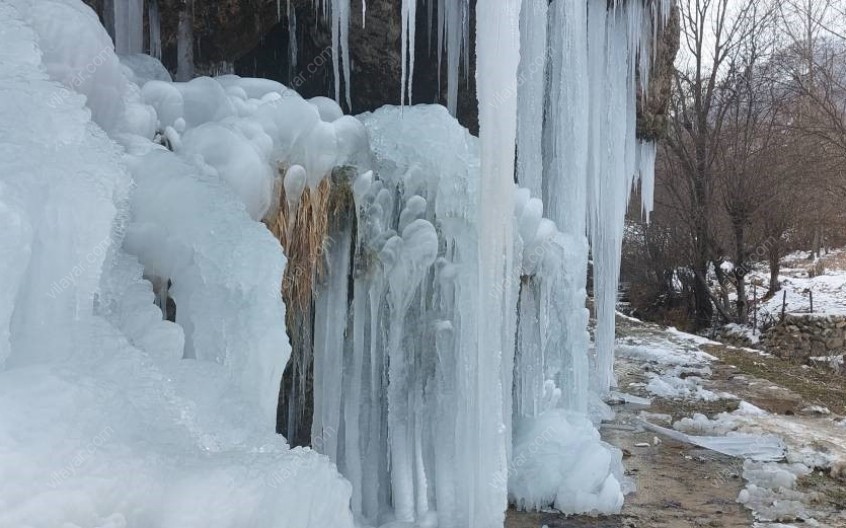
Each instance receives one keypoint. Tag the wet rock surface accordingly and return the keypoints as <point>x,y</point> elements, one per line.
<point>250,38</point>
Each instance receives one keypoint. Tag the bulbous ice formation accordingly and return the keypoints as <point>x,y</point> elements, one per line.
<point>110,415</point>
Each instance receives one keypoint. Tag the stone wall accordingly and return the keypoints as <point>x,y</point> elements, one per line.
<point>801,336</point>
<point>731,336</point>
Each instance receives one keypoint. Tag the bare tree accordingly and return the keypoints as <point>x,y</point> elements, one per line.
<point>814,70</point>
<point>754,162</point>
<point>712,38</point>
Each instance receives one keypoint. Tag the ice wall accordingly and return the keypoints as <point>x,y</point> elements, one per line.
<point>397,363</point>
<point>588,63</point>
<point>449,322</point>
<point>590,152</point>
<point>614,151</point>
<point>50,252</point>
<point>502,302</point>
<point>530,93</point>
<point>103,420</point>
<point>411,321</point>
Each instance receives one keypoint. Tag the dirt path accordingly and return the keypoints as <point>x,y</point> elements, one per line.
<point>679,485</point>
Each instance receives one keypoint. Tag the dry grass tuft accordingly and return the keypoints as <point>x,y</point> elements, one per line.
<point>303,234</point>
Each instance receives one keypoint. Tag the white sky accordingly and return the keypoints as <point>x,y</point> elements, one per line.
<point>832,14</point>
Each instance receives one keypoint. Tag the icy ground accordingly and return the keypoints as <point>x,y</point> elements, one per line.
<point>689,390</point>
<point>692,386</point>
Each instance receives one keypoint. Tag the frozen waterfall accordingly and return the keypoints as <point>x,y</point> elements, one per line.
<point>450,332</point>
<point>437,355</point>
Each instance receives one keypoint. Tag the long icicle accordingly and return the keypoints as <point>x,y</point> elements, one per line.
<point>409,22</point>
<point>487,435</point>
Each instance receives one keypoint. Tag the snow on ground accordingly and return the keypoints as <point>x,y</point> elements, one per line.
<point>677,370</point>
<point>674,364</point>
<point>749,334</point>
<point>771,490</point>
<point>833,362</point>
<point>828,288</point>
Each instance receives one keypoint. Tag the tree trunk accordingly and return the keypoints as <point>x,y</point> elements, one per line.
<point>723,280</point>
<point>774,258</point>
<point>740,262</point>
<point>703,309</point>
<point>742,308</point>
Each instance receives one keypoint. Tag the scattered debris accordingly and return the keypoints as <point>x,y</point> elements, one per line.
<point>753,447</point>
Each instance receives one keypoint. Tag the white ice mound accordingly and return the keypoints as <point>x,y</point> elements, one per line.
<point>236,160</point>
<point>166,99</point>
<point>103,423</point>
<point>78,52</point>
<point>559,460</point>
<point>205,100</point>
<point>140,69</point>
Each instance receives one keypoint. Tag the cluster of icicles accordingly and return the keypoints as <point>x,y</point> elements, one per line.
<point>465,342</point>
<point>450,334</point>
<point>452,27</point>
<point>127,19</point>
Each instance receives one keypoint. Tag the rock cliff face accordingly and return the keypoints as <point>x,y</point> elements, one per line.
<point>374,54</point>
<point>652,110</point>
<point>223,29</point>
<point>250,38</point>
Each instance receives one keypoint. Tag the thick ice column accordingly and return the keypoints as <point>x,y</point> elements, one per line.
<point>354,395</point>
<point>330,324</point>
<point>597,15</point>
<point>616,156</point>
<point>564,189</point>
<point>528,384</point>
<point>409,23</point>
<point>482,432</point>
<point>565,193</point>
<point>646,170</point>
<point>155,29</point>
<point>375,474</point>
<point>612,189</point>
<point>129,26</point>
<point>530,94</point>
<point>457,12</point>
<point>293,52</point>
<point>413,254</point>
